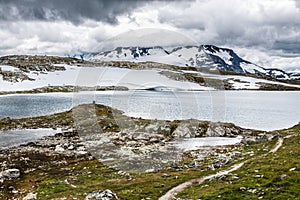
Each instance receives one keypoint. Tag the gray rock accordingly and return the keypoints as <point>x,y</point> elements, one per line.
<point>59,148</point>
<point>258,176</point>
<point>9,174</point>
<point>30,196</point>
<point>151,170</point>
<point>292,169</point>
<point>102,195</point>
<point>282,176</point>
<point>183,131</point>
<point>263,137</point>
<point>215,130</point>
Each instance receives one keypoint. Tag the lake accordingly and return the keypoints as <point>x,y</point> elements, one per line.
<point>11,138</point>
<point>263,110</point>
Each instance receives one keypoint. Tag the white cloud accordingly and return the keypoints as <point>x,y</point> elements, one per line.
<point>236,22</point>
<point>271,59</point>
<point>268,30</point>
<point>40,37</point>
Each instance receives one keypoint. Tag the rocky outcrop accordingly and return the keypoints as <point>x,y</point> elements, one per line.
<point>14,76</point>
<point>222,130</point>
<point>102,195</point>
<point>215,131</point>
<point>26,64</point>
<point>262,137</point>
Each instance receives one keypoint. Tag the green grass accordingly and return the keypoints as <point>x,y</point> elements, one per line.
<point>270,186</point>
<point>89,175</point>
<point>97,177</point>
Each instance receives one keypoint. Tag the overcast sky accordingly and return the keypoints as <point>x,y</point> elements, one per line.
<point>263,31</point>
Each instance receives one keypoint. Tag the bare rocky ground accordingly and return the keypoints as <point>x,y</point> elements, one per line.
<point>128,147</point>
<point>27,64</point>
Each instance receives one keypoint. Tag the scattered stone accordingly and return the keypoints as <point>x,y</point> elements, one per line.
<point>59,149</point>
<point>258,176</point>
<point>122,173</point>
<point>253,191</point>
<point>102,195</point>
<point>292,169</point>
<point>150,170</point>
<point>9,174</point>
<point>243,188</point>
<point>282,176</point>
<point>235,177</point>
<point>71,147</point>
<point>30,196</point>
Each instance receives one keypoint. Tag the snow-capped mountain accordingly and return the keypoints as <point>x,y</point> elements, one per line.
<point>294,76</point>
<point>205,56</point>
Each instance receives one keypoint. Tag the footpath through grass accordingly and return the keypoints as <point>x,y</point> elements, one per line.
<point>275,176</point>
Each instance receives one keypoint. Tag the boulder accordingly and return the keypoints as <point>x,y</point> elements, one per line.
<point>9,174</point>
<point>59,149</point>
<point>183,131</point>
<point>30,196</point>
<point>102,195</point>
<point>216,130</point>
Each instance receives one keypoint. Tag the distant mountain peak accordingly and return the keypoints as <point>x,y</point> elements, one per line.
<point>204,56</point>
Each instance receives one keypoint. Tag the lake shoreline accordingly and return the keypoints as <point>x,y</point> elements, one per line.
<point>72,151</point>
<point>239,107</point>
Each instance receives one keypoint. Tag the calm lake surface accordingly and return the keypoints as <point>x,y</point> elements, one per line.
<point>11,138</point>
<point>264,110</point>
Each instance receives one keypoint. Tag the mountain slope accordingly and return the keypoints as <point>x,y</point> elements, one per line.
<point>204,56</point>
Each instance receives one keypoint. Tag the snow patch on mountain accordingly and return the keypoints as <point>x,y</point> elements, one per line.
<point>204,56</point>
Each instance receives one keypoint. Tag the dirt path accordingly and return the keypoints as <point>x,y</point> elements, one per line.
<point>171,193</point>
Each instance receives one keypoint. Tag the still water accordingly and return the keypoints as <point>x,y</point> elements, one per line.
<point>263,110</point>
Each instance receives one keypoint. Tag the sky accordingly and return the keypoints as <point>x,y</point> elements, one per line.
<point>266,32</point>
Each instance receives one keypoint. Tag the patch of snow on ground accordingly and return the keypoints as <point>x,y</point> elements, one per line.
<point>244,85</point>
<point>250,82</point>
<point>8,68</point>
<point>257,81</point>
<point>99,76</point>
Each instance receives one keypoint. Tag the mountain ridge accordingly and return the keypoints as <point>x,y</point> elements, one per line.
<point>202,56</point>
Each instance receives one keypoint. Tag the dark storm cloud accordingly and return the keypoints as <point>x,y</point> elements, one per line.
<point>288,46</point>
<point>253,23</point>
<point>74,11</point>
<point>297,3</point>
